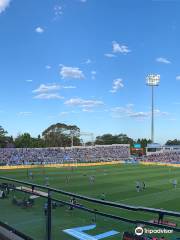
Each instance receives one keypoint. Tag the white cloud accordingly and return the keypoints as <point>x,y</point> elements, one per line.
<point>129,112</point>
<point>3,5</point>
<point>87,110</point>
<point>69,87</point>
<point>83,103</point>
<point>46,88</point>
<point>58,10</point>
<point>130,105</point>
<point>178,77</point>
<point>48,67</point>
<point>48,96</point>
<point>88,61</point>
<point>139,115</point>
<point>109,55</point>
<point>39,30</point>
<point>158,113</point>
<point>118,48</point>
<point>71,73</point>
<point>117,84</point>
<point>93,75</point>
<point>93,72</point>
<point>44,91</point>
<point>122,111</point>
<point>29,80</point>
<point>163,60</point>
<point>63,114</point>
<point>25,114</point>
<point>172,119</point>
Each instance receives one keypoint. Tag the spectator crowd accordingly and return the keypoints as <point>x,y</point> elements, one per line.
<point>165,157</point>
<point>18,156</point>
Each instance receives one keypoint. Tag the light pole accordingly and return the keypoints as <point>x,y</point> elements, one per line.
<point>72,140</point>
<point>152,80</point>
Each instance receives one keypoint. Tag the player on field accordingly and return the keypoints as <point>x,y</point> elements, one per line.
<point>138,186</point>
<point>143,186</point>
<point>67,179</point>
<point>91,179</point>
<point>103,196</point>
<point>31,175</point>
<point>174,183</point>
<point>47,181</point>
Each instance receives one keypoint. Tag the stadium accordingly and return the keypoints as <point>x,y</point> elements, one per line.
<point>76,159</point>
<point>88,192</point>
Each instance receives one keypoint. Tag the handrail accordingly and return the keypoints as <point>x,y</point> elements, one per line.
<point>97,212</point>
<point>15,231</point>
<point>94,200</point>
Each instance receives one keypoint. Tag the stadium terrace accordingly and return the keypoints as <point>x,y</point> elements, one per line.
<point>19,156</point>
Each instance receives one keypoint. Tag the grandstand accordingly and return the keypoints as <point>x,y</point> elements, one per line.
<point>164,157</point>
<point>162,154</point>
<point>158,148</point>
<point>19,156</point>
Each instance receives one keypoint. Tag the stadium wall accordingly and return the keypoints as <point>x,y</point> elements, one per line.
<point>59,165</point>
<point>160,164</point>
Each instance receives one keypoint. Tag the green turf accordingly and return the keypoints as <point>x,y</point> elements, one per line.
<point>116,181</point>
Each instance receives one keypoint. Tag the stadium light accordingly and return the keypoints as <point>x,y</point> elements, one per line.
<point>152,80</point>
<point>82,134</point>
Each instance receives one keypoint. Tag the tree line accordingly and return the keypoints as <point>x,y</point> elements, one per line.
<point>60,135</point>
<point>56,135</point>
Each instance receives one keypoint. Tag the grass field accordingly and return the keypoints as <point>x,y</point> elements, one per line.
<point>116,181</point>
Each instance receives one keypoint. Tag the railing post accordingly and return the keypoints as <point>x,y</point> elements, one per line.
<point>48,225</point>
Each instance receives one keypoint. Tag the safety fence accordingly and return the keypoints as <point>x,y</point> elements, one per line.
<point>33,211</point>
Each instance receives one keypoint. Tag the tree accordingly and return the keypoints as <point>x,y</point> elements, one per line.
<point>23,140</point>
<point>173,142</point>
<point>26,141</point>
<point>60,135</point>
<point>3,137</point>
<point>113,139</point>
<point>143,142</point>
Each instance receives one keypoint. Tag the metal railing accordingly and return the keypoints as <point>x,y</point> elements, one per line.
<point>50,199</point>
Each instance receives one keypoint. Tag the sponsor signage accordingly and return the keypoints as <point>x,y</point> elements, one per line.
<point>137,145</point>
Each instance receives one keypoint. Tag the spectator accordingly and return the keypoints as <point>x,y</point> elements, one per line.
<point>19,156</point>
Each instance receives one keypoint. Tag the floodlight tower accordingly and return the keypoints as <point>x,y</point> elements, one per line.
<point>152,80</point>
<point>82,134</point>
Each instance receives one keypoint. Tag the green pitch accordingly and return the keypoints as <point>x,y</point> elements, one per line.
<point>118,182</point>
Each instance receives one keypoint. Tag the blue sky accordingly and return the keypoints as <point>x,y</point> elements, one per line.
<point>84,62</point>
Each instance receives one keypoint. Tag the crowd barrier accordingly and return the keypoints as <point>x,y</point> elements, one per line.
<point>59,165</point>
<point>111,211</point>
<point>84,165</point>
<point>160,164</point>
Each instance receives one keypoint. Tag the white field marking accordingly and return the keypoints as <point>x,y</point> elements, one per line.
<point>30,190</point>
<point>79,233</point>
<point>34,197</point>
